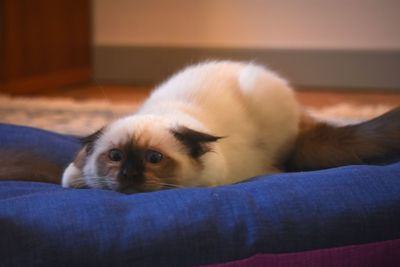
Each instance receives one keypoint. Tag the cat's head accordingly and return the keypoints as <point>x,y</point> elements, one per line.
<point>140,153</point>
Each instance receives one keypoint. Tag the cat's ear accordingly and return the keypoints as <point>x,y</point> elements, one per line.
<point>74,171</point>
<point>196,143</point>
<point>89,141</point>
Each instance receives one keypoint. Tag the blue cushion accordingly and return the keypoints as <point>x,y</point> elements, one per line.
<point>45,224</point>
<point>57,147</point>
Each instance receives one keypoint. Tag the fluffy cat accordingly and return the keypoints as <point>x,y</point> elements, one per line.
<point>218,123</point>
<point>211,124</point>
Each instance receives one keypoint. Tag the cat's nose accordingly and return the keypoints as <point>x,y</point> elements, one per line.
<point>129,172</point>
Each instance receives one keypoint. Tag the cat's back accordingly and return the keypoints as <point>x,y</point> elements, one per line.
<point>218,83</point>
<point>200,80</point>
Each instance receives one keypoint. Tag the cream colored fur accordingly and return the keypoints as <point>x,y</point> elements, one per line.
<point>251,107</point>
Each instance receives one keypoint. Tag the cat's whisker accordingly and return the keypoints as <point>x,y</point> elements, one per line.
<point>172,185</point>
<point>162,184</point>
<point>78,183</point>
<point>95,182</point>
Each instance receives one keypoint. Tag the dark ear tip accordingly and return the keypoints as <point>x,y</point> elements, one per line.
<point>91,137</point>
<point>89,140</point>
<point>183,133</point>
<point>197,143</point>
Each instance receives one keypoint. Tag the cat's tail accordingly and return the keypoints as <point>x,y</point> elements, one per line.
<point>321,145</point>
<point>26,166</point>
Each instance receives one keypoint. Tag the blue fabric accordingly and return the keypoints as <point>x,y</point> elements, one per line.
<point>57,147</point>
<point>46,225</point>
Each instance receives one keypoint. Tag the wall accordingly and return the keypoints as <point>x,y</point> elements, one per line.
<point>254,25</point>
<point>317,24</point>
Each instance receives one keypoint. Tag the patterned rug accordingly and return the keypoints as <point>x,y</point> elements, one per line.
<point>65,115</point>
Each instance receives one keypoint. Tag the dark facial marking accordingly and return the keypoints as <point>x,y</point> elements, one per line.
<point>132,167</point>
<point>125,163</point>
<point>196,143</point>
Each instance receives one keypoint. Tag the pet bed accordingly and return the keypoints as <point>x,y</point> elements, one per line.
<point>348,216</point>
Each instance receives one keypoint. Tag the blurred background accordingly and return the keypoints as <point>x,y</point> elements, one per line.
<point>332,49</point>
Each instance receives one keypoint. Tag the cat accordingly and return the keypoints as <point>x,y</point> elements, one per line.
<point>211,124</point>
<point>221,122</point>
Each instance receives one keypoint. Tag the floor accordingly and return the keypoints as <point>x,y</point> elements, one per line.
<point>309,97</point>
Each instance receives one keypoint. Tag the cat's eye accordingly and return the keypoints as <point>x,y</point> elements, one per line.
<point>153,156</point>
<point>115,154</point>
